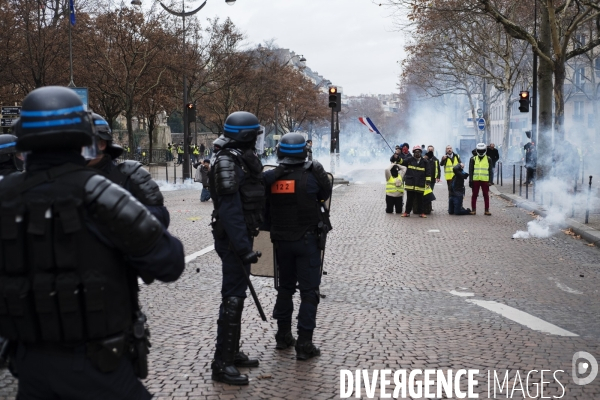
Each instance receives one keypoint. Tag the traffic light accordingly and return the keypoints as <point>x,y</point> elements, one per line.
<point>524,101</point>
<point>333,97</point>
<point>191,112</point>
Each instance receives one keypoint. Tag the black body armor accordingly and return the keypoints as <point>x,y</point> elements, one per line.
<point>59,283</point>
<point>293,211</point>
<point>224,180</point>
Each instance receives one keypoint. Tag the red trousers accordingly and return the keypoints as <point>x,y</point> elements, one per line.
<point>485,189</point>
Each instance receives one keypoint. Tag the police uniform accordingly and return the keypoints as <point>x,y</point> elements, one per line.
<point>75,242</point>
<point>238,197</point>
<point>130,174</point>
<point>296,189</point>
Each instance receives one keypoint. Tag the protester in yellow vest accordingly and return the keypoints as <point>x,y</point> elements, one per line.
<point>449,160</point>
<point>394,188</point>
<point>480,176</point>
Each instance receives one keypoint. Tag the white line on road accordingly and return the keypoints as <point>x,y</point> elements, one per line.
<point>522,318</point>
<point>197,254</point>
<point>337,186</point>
<point>462,294</point>
<point>564,287</point>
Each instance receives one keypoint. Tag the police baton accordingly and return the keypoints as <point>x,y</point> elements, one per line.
<point>251,287</point>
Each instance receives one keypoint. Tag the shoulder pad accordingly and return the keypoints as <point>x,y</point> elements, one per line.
<point>321,175</point>
<point>226,180</point>
<point>123,219</point>
<point>140,183</point>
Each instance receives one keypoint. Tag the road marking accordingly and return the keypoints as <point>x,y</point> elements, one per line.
<point>462,294</point>
<point>197,254</point>
<point>522,318</point>
<point>564,287</point>
<point>337,186</point>
<point>433,230</point>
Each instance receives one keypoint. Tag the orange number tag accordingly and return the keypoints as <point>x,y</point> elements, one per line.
<point>284,187</point>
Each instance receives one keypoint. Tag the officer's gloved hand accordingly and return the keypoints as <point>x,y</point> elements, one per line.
<point>471,184</point>
<point>250,257</point>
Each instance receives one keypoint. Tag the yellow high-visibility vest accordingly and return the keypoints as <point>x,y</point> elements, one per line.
<point>448,167</point>
<point>481,170</point>
<point>390,186</point>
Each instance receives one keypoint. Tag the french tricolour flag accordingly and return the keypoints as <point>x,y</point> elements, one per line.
<point>366,121</point>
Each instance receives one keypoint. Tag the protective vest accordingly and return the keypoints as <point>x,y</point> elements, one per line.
<point>58,282</point>
<point>180,150</point>
<point>450,163</point>
<point>293,211</point>
<point>196,151</point>
<point>436,165</point>
<point>481,170</point>
<point>251,189</point>
<point>391,187</point>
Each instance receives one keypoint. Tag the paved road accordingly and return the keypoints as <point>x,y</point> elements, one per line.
<point>397,296</point>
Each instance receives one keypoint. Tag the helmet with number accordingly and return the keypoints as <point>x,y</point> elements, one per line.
<point>53,117</point>
<point>102,131</point>
<point>242,126</point>
<point>481,149</point>
<point>292,149</point>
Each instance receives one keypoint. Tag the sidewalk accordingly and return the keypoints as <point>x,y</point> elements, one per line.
<point>574,217</point>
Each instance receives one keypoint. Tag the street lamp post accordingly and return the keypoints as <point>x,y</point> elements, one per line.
<point>186,138</point>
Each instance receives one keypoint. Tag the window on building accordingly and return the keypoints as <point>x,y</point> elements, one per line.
<point>579,40</point>
<point>578,115</point>
<point>579,77</point>
<point>597,66</point>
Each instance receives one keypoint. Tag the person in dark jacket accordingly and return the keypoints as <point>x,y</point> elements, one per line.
<point>92,241</point>
<point>418,176</point>
<point>457,192</point>
<point>492,152</point>
<point>530,161</point>
<point>204,172</point>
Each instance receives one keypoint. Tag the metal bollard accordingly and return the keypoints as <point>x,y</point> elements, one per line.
<point>533,190</point>
<point>175,173</point>
<point>514,179</point>
<point>574,196</point>
<point>587,210</point>
<point>501,173</point>
<point>526,191</point>
<point>167,171</point>
<point>521,181</point>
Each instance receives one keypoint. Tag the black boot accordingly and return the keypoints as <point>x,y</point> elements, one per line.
<point>240,359</point>
<point>284,337</point>
<point>305,349</point>
<point>223,367</point>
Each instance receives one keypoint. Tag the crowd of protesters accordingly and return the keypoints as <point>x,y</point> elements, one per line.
<point>416,174</point>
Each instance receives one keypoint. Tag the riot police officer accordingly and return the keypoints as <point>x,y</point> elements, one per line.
<point>129,174</point>
<point>238,193</point>
<point>297,189</point>
<point>10,160</point>
<point>75,242</point>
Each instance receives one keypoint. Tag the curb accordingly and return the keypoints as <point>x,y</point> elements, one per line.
<point>589,234</point>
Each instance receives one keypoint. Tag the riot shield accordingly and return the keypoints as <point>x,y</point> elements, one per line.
<point>265,267</point>
<point>326,207</point>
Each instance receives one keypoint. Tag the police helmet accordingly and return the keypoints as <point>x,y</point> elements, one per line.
<point>102,131</point>
<point>481,149</point>
<point>8,150</point>
<point>242,126</point>
<point>292,149</point>
<point>53,117</point>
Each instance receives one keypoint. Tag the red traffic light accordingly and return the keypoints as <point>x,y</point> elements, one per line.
<point>190,106</point>
<point>524,101</point>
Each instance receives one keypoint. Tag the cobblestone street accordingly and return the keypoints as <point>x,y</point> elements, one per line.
<point>401,293</point>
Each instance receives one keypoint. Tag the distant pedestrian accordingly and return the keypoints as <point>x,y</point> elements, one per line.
<point>309,149</point>
<point>530,162</point>
<point>492,152</point>
<point>202,172</point>
<point>457,192</point>
<point>394,188</point>
<point>480,171</point>
<point>449,160</point>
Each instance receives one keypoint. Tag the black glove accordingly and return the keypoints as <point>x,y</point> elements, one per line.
<point>471,184</point>
<point>251,257</point>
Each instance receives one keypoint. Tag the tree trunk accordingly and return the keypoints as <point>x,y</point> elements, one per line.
<point>150,131</point>
<point>545,87</point>
<point>129,117</point>
<point>506,116</point>
<point>559,101</point>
